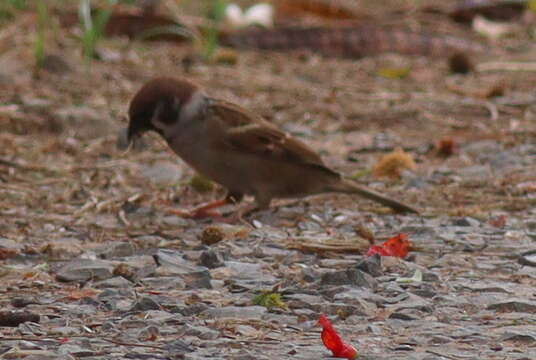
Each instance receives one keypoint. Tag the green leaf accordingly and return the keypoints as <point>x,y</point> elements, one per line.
<point>394,73</point>
<point>531,5</point>
<point>201,184</point>
<point>269,300</point>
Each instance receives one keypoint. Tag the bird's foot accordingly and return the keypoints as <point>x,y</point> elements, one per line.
<point>202,212</point>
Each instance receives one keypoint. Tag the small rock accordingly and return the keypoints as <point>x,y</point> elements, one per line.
<point>348,277</point>
<point>522,337</point>
<point>303,301</point>
<point>371,265</point>
<point>173,263</point>
<point>514,305</point>
<point>115,282</point>
<point>201,332</point>
<point>236,312</point>
<point>116,250</point>
<point>177,348</point>
<point>403,315</point>
<point>145,303</point>
<point>84,269</point>
<point>164,282</point>
<point>162,173</point>
<point>75,350</point>
<point>354,297</point>
<point>193,309</point>
<point>466,221</point>
<point>243,270</point>
<point>439,339</point>
<point>149,333</point>
<point>528,258</point>
<point>211,259</point>
<point>174,221</point>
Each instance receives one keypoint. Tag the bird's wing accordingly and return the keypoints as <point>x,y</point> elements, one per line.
<point>249,133</point>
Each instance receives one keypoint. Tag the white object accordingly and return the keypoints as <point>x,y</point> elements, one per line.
<point>260,14</point>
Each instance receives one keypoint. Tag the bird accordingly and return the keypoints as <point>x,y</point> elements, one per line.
<point>235,148</point>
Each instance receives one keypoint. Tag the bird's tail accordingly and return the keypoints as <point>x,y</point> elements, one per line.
<point>350,187</point>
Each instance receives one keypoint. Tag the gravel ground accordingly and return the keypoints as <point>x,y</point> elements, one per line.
<point>92,266</point>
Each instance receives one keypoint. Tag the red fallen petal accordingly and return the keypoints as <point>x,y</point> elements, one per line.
<point>376,249</point>
<point>324,322</point>
<point>348,352</point>
<point>398,246</point>
<point>333,341</point>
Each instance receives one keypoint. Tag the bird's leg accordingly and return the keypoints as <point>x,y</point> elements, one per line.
<point>207,210</point>
<point>261,202</point>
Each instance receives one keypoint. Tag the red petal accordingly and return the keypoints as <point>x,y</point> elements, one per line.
<point>347,352</point>
<point>375,249</point>
<point>330,338</point>
<point>398,246</point>
<point>333,341</point>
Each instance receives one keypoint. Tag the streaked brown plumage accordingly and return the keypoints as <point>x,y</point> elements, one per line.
<point>235,148</point>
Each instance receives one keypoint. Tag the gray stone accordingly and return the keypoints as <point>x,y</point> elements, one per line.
<point>75,350</point>
<point>518,336</point>
<point>9,244</point>
<point>354,297</point>
<point>173,263</point>
<point>115,282</point>
<point>303,301</point>
<point>145,303</point>
<point>371,265</point>
<point>211,258</point>
<point>116,250</point>
<point>528,258</point>
<point>177,348</point>
<point>163,173</point>
<point>164,282</point>
<point>466,221</point>
<point>84,270</point>
<point>518,305</point>
<point>404,315</point>
<point>193,309</point>
<point>235,312</point>
<point>245,270</point>
<point>148,333</point>
<point>201,332</point>
<point>353,277</point>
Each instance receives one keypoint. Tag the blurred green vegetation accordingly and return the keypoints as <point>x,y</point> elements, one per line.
<point>93,16</point>
<point>9,8</point>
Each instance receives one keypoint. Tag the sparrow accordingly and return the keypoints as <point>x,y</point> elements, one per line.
<point>237,149</point>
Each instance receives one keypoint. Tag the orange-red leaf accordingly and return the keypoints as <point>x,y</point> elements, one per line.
<point>398,246</point>
<point>332,341</point>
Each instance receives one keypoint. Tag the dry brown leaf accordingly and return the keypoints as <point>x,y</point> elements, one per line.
<point>327,244</point>
<point>392,164</point>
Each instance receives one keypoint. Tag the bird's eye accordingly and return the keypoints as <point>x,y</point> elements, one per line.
<point>168,111</point>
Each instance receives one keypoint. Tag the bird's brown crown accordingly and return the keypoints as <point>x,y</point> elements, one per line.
<point>165,95</point>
